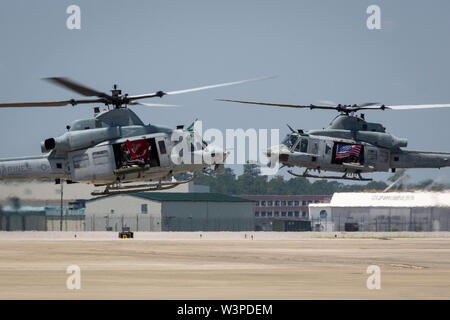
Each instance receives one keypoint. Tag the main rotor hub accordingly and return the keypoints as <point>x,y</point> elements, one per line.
<point>116,92</point>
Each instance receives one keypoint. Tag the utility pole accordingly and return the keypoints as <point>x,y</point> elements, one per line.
<point>61,208</point>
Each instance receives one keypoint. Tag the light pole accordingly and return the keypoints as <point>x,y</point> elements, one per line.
<point>61,208</point>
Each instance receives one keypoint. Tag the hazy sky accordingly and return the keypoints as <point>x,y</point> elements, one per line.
<point>320,50</point>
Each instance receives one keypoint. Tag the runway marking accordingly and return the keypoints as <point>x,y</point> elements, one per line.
<point>407,266</point>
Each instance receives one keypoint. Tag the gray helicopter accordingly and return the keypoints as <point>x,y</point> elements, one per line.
<point>116,149</point>
<point>350,144</point>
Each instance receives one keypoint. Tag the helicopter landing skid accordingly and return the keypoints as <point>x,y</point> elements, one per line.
<point>118,189</point>
<point>305,174</point>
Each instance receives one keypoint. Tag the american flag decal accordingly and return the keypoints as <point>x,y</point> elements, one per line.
<point>347,150</point>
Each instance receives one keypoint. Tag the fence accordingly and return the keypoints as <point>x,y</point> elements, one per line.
<point>140,222</point>
<point>40,222</point>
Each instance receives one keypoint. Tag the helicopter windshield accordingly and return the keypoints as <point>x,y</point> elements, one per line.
<point>290,140</point>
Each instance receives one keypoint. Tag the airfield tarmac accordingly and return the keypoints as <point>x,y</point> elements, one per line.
<point>225,265</point>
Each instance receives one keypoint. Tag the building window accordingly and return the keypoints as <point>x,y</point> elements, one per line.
<point>277,203</point>
<point>304,214</point>
<point>283,203</point>
<point>283,213</point>
<point>256,213</point>
<point>263,213</point>
<point>269,214</point>
<point>316,201</point>
<point>263,203</point>
<point>304,203</point>
<point>290,203</point>
<point>276,214</point>
<point>296,203</point>
<point>297,213</point>
<point>144,208</point>
<point>257,203</point>
<point>290,214</point>
<point>269,203</point>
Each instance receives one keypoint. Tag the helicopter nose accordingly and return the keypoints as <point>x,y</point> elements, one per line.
<point>219,155</point>
<point>215,155</point>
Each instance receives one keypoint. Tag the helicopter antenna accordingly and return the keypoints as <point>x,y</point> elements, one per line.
<point>290,128</point>
<point>192,124</point>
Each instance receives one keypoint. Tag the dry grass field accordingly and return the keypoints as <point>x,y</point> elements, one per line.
<point>297,268</point>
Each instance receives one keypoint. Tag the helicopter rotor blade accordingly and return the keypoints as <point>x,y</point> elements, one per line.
<point>344,108</point>
<point>163,93</point>
<point>418,106</point>
<point>281,105</point>
<point>47,103</point>
<point>153,104</point>
<point>77,87</point>
<point>369,104</point>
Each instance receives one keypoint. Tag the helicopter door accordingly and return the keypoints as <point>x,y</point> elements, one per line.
<point>347,153</point>
<point>92,164</point>
<point>372,156</point>
<point>161,143</point>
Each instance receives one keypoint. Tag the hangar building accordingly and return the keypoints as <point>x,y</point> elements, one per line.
<point>168,211</point>
<point>391,211</point>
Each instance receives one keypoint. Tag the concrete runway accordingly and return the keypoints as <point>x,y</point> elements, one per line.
<point>303,267</point>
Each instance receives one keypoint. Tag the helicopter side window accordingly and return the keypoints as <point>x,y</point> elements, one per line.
<point>315,148</point>
<point>81,161</point>
<point>384,156</point>
<point>100,157</point>
<point>162,147</point>
<point>372,155</point>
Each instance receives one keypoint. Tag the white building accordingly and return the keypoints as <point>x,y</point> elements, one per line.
<point>169,211</point>
<point>391,211</point>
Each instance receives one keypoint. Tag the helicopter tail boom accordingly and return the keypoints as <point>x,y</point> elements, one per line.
<point>32,168</point>
<point>419,159</point>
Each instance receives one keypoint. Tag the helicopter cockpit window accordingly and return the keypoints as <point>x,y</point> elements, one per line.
<point>302,146</point>
<point>290,140</point>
